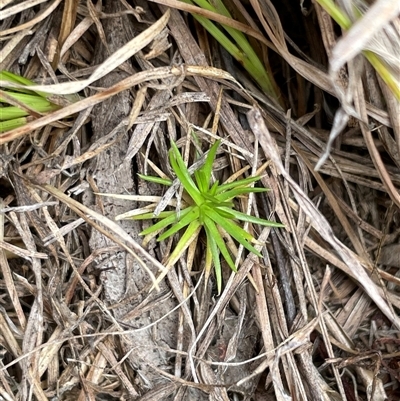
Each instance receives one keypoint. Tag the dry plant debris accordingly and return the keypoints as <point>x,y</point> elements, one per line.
<point>315,318</point>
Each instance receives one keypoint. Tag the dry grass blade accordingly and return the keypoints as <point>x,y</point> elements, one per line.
<point>39,17</point>
<point>382,12</point>
<point>179,5</point>
<point>20,7</point>
<point>138,78</point>
<point>85,211</point>
<point>111,63</point>
<point>369,286</point>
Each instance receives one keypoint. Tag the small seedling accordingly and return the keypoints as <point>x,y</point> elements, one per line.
<point>205,205</point>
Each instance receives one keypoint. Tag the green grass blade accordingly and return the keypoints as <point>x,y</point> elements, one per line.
<point>235,231</point>
<point>183,174</point>
<point>156,180</point>
<point>336,13</point>
<point>203,174</point>
<point>17,79</point>
<point>251,219</point>
<point>184,221</point>
<point>165,222</point>
<point>228,195</point>
<point>240,183</point>
<point>241,50</point>
<point>11,124</point>
<point>187,238</point>
<point>29,100</point>
<point>150,215</point>
<point>384,72</point>
<point>213,200</point>
<point>201,181</point>
<point>208,165</point>
<point>216,236</point>
<point>12,112</point>
<point>228,225</point>
<point>225,212</point>
<point>213,189</point>
<point>213,253</point>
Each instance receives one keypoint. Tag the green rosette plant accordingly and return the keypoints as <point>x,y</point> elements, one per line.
<point>205,205</point>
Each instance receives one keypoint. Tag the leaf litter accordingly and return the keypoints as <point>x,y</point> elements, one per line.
<point>315,318</point>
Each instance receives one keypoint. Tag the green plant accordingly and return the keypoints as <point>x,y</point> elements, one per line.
<point>205,204</point>
<point>237,45</point>
<point>18,104</point>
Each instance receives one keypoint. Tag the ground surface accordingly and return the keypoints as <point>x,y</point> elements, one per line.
<point>316,318</point>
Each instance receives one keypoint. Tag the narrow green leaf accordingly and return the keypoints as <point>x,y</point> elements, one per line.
<point>233,193</point>
<point>213,189</point>
<point>213,200</point>
<point>208,165</point>
<point>336,13</point>
<point>212,250</point>
<point>17,79</point>
<point>224,212</point>
<point>165,222</point>
<point>251,219</point>
<point>190,216</point>
<point>258,70</point>
<point>241,183</point>
<point>201,181</point>
<point>150,215</point>
<point>240,235</point>
<point>227,224</point>
<point>187,238</point>
<point>241,50</point>
<point>29,100</point>
<point>12,112</point>
<point>11,124</point>
<point>183,174</point>
<point>156,180</point>
<point>214,233</point>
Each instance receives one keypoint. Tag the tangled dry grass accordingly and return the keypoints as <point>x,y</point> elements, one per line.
<point>315,319</point>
